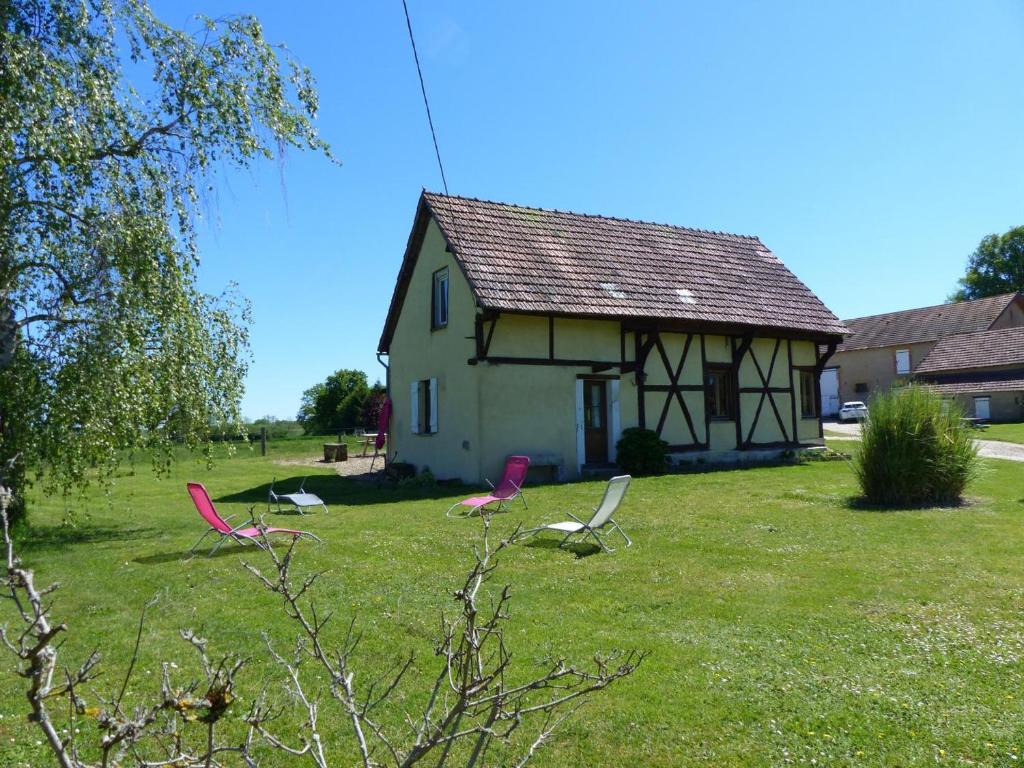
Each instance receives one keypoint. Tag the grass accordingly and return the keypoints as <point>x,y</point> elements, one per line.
<point>784,623</point>
<point>1010,433</point>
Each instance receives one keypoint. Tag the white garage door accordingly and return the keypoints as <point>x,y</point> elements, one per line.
<point>830,392</point>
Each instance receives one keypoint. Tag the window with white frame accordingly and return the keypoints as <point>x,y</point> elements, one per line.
<point>439,299</point>
<point>423,404</point>
<point>902,361</point>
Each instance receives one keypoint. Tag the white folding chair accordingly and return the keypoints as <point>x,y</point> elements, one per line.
<point>601,519</point>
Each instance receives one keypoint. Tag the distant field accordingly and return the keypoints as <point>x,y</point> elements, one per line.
<point>785,624</point>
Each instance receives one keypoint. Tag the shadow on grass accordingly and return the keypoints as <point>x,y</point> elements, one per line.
<point>580,550</point>
<point>342,491</point>
<point>200,554</point>
<point>60,536</point>
<point>861,504</point>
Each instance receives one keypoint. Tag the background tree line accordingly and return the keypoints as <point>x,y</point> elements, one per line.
<point>344,401</point>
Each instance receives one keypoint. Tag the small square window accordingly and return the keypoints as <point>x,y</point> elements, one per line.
<point>439,300</point>
<point>720,393</point>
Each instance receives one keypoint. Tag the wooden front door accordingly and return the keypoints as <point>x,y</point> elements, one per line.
<point>595,421</point>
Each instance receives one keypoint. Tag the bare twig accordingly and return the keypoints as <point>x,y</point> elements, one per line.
<point>470,700</point>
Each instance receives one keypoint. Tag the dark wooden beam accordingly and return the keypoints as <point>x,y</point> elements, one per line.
<point>490,335</point>
<point>766,391</point>
<point>821,359</point>
<point>478,335</point>
<point>640,361</point>
<point>551,337</point>
<point>819,366</point>
<point>675,387</point>
<point>703,385</point>
<point>546,361</point>
<point>792,392</point>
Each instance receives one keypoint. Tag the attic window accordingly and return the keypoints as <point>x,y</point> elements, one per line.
<point>614,290</point>
<point>686,296</point>
<point>439,299</point>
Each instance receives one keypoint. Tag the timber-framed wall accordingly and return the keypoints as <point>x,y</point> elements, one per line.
<point>670,362</point>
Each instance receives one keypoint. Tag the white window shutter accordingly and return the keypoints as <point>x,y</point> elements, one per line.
<point>902,361</point>
<point>414,401</point>
<point>614,421</point>
<point>433,406</point>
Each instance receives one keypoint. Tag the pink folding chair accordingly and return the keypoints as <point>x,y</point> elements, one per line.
<point>220,525</point>
<point>510,487</point>
<point>383,425</point>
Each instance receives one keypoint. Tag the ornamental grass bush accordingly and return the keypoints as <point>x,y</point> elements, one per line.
<point>915,450</point>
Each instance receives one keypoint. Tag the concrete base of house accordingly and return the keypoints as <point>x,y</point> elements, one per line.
<point>721,459</point>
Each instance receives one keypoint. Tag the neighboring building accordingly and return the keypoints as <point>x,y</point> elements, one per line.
<point>984,371</point>
<point>882,350</point>
<point>521,330</point>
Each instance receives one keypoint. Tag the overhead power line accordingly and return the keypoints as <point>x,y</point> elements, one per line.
<point>426,102</point>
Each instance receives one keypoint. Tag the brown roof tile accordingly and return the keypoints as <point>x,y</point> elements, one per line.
<point>924,324</point>
<point>980,385</point>
<point>986,349</point>
<point>542,261</point>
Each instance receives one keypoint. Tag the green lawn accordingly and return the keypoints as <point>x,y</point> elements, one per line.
<point>784,624</point>
<point>1011,433</point>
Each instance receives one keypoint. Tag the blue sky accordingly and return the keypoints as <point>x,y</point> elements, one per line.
<point>870,145</point>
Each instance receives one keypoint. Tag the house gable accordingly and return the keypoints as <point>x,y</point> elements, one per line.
<point>1012,315</point>
<point>427,365</point>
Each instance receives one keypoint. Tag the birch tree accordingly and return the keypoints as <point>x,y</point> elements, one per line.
<point>112,128</point>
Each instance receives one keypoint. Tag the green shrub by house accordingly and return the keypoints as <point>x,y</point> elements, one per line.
<point>641,452</point>
<point>915,449</point>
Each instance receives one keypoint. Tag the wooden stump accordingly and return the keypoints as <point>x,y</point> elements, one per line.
<point>335,452</point>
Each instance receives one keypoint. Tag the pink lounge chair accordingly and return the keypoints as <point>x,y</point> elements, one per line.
<point>220,524</point>
<point>510,487</point>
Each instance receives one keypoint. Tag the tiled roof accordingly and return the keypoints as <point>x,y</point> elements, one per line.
<point>924,324</point>
<point>986,349</point>
<point>542,261</point>
<point>980,385</point>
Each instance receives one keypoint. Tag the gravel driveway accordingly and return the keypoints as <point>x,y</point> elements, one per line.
<point>991,449</point>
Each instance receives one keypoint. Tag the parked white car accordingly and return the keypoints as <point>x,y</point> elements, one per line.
<point>854,410</point>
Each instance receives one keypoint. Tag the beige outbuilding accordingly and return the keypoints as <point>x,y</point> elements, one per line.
<point>983,371</point>
<point>518,330</point>
<point>886,350</point>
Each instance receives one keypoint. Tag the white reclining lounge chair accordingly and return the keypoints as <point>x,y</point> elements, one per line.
<point>602,517</point>
<point>301,498</point>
